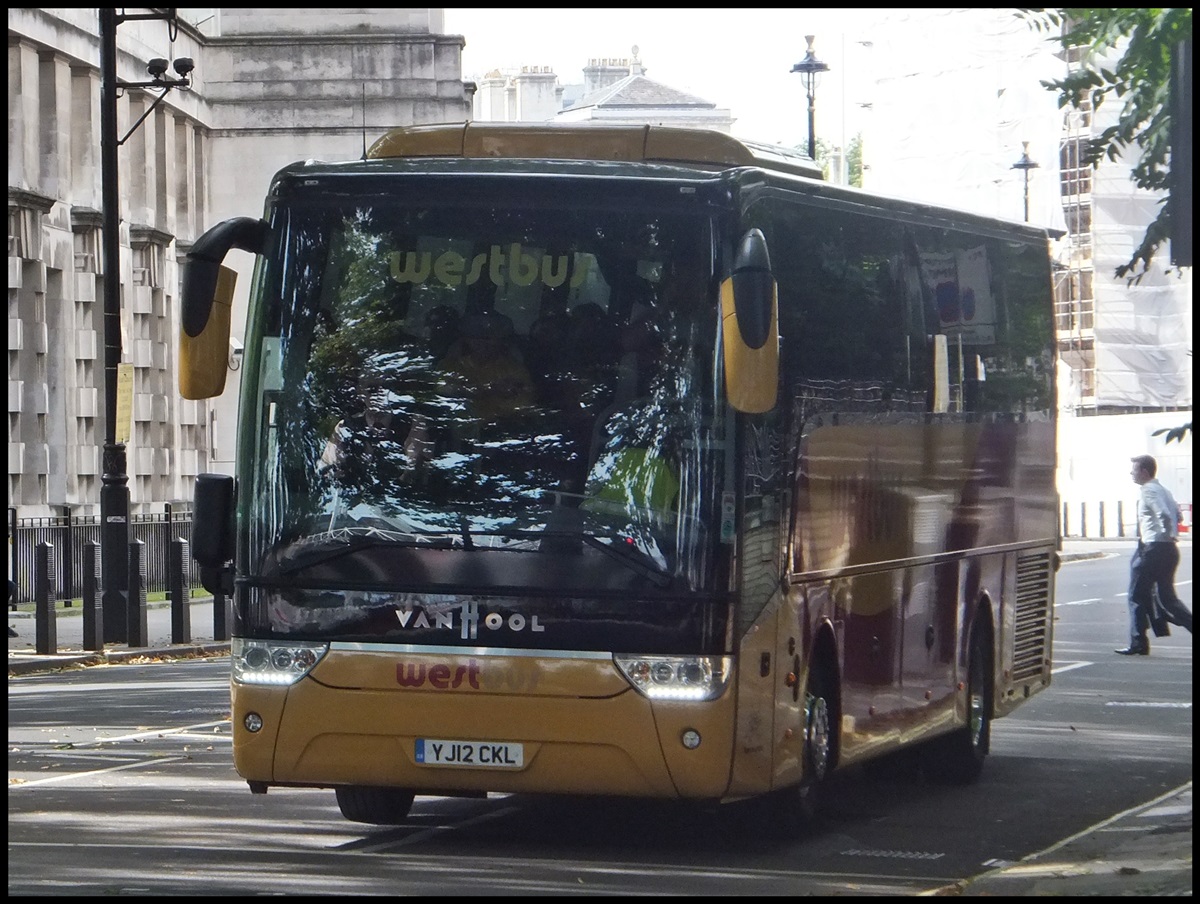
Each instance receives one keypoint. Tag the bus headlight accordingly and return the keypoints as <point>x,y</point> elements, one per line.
<point>273,661</point>
<point>676,677</point>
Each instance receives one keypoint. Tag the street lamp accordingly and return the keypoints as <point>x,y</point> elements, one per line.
<point>809,68</point>
<point>1025,164</point>
<point>114,488</point>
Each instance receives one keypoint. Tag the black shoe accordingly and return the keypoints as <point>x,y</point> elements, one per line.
<point>12,632</point>
<point>1160,627</point>
<point>1135,648</point>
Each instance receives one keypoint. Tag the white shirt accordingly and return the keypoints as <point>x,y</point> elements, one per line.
<point>1158,514</point>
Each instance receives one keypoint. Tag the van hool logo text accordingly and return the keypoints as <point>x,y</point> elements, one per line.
<point>467,620</point>
<point>518,267</point>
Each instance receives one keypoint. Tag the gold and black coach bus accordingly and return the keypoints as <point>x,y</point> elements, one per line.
<point>625,461</point>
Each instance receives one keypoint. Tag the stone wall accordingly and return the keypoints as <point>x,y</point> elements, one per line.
<point>268,88</point>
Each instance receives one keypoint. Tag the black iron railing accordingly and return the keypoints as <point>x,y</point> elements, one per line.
<point>67,535</point>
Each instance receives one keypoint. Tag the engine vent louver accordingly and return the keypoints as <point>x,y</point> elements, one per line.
<point>1031,643</point>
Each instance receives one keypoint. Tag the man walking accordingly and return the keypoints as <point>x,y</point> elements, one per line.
<point>1154,562</point>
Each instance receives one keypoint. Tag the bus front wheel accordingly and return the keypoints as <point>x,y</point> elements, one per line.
<point>820,744</point>
<point>377,806</point>
<point>798,806</point>
<point>818,729</point>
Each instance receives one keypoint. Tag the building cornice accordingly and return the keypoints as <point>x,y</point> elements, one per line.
<point>149,235</point>
<point>86,218</point>
<point>23,197</point>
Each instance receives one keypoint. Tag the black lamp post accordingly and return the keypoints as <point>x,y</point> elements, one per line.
<point>1025,164</point>
<point>809,68</point>
<point>114,482</point>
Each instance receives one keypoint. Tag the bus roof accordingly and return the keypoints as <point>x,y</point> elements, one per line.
<point>702,148</point>
<point>560,148</point>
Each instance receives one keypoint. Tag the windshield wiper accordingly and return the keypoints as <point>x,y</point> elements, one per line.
<point>327,547</point>
<point>629,556</point>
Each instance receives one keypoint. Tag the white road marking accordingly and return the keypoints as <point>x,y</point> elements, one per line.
<point>1151,704</point>
<point>154,733</point>
<point>76,775</point>
<point>1068,667</point>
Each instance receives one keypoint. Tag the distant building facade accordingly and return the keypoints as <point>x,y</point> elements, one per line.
<point>269,88</point>
<point>614,91</point>
<point>948,131</point>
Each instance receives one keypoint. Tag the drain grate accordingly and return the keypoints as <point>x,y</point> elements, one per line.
<point>897,855</point>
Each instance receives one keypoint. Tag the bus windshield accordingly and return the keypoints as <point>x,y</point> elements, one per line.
<point>487,395</point>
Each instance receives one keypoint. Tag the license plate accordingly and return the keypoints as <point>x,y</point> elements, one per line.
<point>473,754</point>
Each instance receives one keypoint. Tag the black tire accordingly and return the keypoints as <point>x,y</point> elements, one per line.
<point>820,742</point>
<point>820,725</point>
<point>957,759</point>
<point>377,806</point>
<point>797,808</point>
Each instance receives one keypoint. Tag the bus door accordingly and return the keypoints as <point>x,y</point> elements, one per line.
<point>938,516</point>
<point>928,598</point>
<point>840,530</point>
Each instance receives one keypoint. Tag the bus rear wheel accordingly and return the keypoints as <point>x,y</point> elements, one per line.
<point>377,806</point>
<point>957,759</point>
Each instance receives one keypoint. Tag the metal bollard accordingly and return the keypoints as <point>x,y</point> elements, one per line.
<point>67,588</point>
<point>1102,518</point>
<point>181,605</point>
<point>137,595</point>
<point>45,627</point>
<point>1066,527</point>
<point>1120,518</point>
<point>93,613</point>
<point>13,590</point>
<point>1083,519</point>
<point>168,552</point>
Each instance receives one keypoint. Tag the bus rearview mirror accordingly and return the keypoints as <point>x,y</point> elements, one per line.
<point>750,328</point>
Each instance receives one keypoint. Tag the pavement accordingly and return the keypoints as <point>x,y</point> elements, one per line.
<point>24,659</point>
<point>1146,850</point>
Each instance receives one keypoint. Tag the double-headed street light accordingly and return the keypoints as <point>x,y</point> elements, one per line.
<point>810,68</point>
<point>114,488</point>
<point>1025,164</point>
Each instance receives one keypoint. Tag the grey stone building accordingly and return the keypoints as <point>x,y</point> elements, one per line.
<point>268,88</point>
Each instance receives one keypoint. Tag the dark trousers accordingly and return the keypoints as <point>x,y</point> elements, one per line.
<point>1153,568</point>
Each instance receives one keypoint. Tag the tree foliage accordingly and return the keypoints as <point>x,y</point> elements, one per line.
<point>827,155</point>
<point>1174,433</point>
<point>854,161</point>
<point>1141,41</point>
